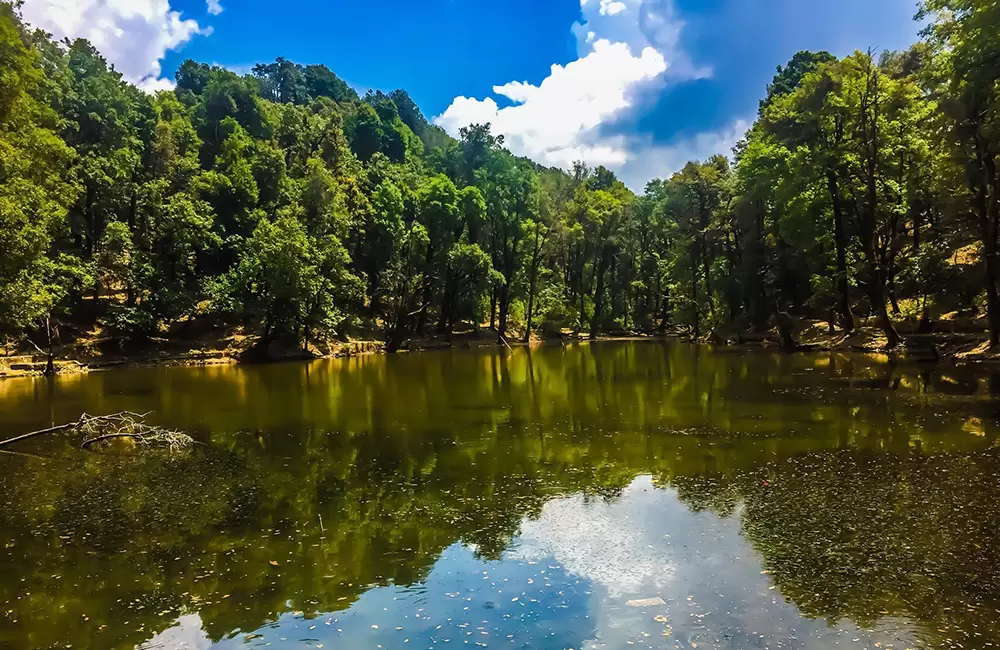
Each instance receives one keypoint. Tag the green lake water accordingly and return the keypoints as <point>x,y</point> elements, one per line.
<point>616,495</point>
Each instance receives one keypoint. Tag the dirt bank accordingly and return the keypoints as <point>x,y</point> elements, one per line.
<point>947,344</point>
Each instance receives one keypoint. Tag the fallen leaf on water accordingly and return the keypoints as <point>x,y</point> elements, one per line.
<point>273,563</point>
<point>660,618</point>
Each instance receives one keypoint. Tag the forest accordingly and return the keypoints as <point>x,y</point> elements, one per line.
<point>283,204</point>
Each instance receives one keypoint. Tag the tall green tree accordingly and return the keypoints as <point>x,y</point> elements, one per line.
<point>35,188</point>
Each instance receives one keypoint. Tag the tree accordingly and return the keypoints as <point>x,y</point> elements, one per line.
<point>788,78</point>
<point>813,115</point>
<point>35,191</point>
<point>967,51</point>
<point>868,93</point>
<point>294,206</point>
<point>383,232</point>
<point>285,281</point>
<point>693,197</point>
<point>465,277</point>
<point>439,212</point>
<point>283,82</point>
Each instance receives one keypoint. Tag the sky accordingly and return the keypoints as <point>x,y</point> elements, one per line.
<point>640,86</point>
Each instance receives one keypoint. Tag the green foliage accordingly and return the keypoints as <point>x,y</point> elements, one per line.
<point>472,273</point>
<point>295,207</point>
<point>286,280</point>
<point>35,190</point>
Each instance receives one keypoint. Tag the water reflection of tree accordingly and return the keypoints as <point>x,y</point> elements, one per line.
<point>401,458</point>
<point>861,535</point>
<point>849,534</point>
<point>638,388</point>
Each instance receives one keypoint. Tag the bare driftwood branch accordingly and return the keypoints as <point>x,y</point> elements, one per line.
<point>23,454</point>
<point>126,424</point>
<point>61,427</point>
<point>35,345</point>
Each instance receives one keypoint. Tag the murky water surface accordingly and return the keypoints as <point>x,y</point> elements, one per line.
<point>614,495</point>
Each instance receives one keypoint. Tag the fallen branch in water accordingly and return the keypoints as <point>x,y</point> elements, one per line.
<point>126,424</point>
<point>84,419</point>
<point>23,454</point>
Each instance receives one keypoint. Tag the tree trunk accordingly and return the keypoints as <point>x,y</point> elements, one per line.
<point>840,239</point>
<point>992,226</point>
<point>988,206</point>
<point>992,300</point>
<point>373,289</point>
<point>493,308</point>
<point>427,290</point>
<point>785,325</point>
<point>397,336</point>
<point>595,322</point>
<point>891,290</point>
<point>876,292</point>
<point>533,284</point>
<point>876,265</point>
<point>446,303</point>
<point>665,310</point>
<point>694,292</point>
<point>706,264</point>
<point>531,305</point>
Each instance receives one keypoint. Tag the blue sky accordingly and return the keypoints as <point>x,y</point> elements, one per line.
<point>641,85</point>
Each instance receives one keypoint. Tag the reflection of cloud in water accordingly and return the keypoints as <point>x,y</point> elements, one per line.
<point>186,634</point>
<point>648,544</point>
<point>607,543</point>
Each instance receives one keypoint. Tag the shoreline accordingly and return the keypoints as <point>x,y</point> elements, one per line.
<point>33,365</point>
<point>969,350</point>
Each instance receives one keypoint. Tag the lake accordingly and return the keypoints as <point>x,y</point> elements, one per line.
<point>643,494</point>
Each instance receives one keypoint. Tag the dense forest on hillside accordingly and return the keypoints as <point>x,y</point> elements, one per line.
<point>283,203</point>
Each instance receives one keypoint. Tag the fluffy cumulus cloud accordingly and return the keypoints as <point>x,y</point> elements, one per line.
<point>549,122</point>
<point>214,7</point>
<point>625,47</point>
<point>133,35</point>
<point>612,7</point>
<point>648,159</point>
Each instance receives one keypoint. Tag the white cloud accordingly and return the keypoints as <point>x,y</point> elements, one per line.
<point>612,7</point>
<point>186,633</point>
<point>153,85</point>
<point>647,159</point>
<point>623,46</point>
<point>133,35</point>
<point>550,122</point>
<point>606,543</point>
<point>639,24</point>
<point>214,7</point>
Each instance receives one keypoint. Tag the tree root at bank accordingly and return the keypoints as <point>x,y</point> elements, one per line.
<point>123,425</point>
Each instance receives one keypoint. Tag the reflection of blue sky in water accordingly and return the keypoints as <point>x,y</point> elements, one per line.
<point>566,582</point>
